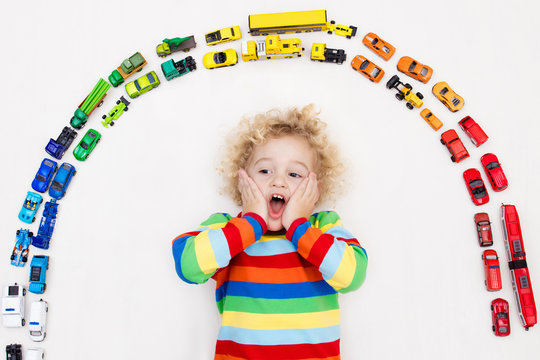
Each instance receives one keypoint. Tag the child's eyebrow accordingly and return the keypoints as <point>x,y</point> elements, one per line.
<point>270,159</point>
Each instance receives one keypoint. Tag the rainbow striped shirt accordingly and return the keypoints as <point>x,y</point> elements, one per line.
<point>276,293</point>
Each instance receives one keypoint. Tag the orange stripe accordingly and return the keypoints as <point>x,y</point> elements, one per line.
<point>246,231</point>
<point>221,276</point>
<point>227,357</point>
<point>273,275</point>
<point>305,243</point>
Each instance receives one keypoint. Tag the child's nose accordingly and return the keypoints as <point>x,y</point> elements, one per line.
<point>278,181</point>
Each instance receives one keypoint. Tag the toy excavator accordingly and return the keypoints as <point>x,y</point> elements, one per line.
<point>405,92</point>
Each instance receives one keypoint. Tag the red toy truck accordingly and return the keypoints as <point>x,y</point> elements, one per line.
<point>473,130</point>
<point>492,270</point>
<point>452,141</point>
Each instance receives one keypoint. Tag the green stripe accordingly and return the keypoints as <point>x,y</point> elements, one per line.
<point>190,267</point>
<point>360,273</point>
<point>216,219</point>
<point>325,218</point>
<point>278,306</point>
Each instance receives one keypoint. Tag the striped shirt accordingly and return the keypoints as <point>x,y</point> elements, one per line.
<point>277,293</point>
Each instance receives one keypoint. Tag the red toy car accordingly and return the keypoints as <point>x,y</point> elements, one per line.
<point>473,130</point>
<point>492,270</point>
<point>452,141</point>
<point>494,172</point>
<point>499,315</point>
<point>483,227</point>
<point>476,186</point>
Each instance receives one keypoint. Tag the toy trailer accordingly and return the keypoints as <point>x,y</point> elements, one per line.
<point>273,47</point>
<point>129,66</point>
<point>56,148</point>
<point>92,101</point>
<point>169,46</point>
<point>46,227</point>
<point>172,69</point>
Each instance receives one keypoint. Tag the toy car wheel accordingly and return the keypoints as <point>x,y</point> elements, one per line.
<point>24,259</point>
<point>453,158</point>
<point>332,22</point>
<point>408,86</point>
<point>348,36</point>
<point>420,96</point>
<point>117,102</point>
<point>409,106</point>
<point>126,108</point>
<point>400,96</point>
<point>18,232</point>
<point>112,123</point>
<point>34,219</point>
<point>493,328</point>
<point>393,81</point>
<point>329,32</point>
<point>442,142</point>
<point>104,117</point>
<point>23,292</point>
<point>12,257</point>
<point>23,322</point>
<point>101,103</point>
<point>30,234</point>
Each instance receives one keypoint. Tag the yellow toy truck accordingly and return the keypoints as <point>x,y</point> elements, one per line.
<point>273,47</point>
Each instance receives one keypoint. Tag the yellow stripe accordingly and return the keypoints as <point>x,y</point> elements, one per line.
<point>270,238</point>
<point>280,321</point>
<point>214,226</point>
<point>345,272</point>
<point>204,253</point>
<point>328,226</point>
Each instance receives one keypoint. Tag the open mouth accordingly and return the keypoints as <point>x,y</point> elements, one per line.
<point>276,206</point>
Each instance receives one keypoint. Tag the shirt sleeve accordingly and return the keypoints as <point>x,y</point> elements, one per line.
<point>199,254</point>
<point>333,250</point>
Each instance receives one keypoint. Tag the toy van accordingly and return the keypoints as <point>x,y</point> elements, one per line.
<point>38,320</point>
<point>13,305</point>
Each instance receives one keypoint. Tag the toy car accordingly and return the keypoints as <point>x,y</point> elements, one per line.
<point>494,172</point>
<point>405,92</point>
<point>473,130</point>
<point>172,69</point>
<point>61,181</point>
<point>13,305</point>
<point>342,30</point>
<point>30,207</point>
<point>46,226</point>
<point>14,352</point>
<point>34,354</point>
<point>414,69</point>
<point>38,320</point>
<point>379,46</point>
<point>86,145</point>
<point>223,35</point>
<point>500,318</point>
<point>447,96</point>
<point>169,46</point>
<point>452,141</point>
<point>38,271</point>
<point>219,59</point>
<point>483,228</point>
<point>492,270</point>
<point>56,148</point>
<point>142,85</point>
<point>431,119</point>
<point>89,104</point>
<point>475,186</point>
<point>116,111</point>
<point>19,255</point>
<point>271,47</point>
<point>127,68</point>
<point>44,175</point>
<point>319,52</point>
<point>367,68</point>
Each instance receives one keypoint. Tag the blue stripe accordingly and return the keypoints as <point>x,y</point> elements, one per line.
<point>279,336</point>
<point>220,247</point>
<point>177,250</point>
<point>270,247</point>
<point>338,231</point>
<point>300,230</point>
<point>274,291</point>
<point>255,225</point>
<point>332,259</point>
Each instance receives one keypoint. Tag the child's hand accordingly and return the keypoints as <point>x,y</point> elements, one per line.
<point>252,198</point>
<point>302,202</point>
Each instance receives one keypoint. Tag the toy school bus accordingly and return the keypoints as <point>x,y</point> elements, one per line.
<point>288,22</point>
<point>517,262</point>
<point>273,47</point>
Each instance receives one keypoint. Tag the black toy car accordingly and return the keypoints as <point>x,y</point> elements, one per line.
<point>14,352</point>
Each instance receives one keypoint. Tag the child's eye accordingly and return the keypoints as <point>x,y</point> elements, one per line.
<point>264,171</point>
<point>293,174</point>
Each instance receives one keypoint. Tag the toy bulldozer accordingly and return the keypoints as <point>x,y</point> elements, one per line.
<point>405,92</point>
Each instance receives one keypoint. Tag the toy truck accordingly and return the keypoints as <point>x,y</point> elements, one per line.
<point>172,69</point>
<point>57,148</point>
<point>46,227</point>
<point>38,271</point>
<point>273,47</point>
<point>128,67</point>
<point>121,106</point>
<point>169,46</point>
<point>92,101</point>
<point>13,305</point>
<point>405,92</point>
<point>320,52</point>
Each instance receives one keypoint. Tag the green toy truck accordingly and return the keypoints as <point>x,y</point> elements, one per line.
<point>172,69</point>
<point>128,67</point>
<point>92,101</point>
<point>169,46</point>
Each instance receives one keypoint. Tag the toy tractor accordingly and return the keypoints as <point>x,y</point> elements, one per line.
<point>405,92</point>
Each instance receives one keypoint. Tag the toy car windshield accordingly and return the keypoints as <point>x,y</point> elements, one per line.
<point>56,186</point>
<point>13,291</point>
<point>491,257</point>
<point>502,315</point>
<point>364,65</point>
<point>492,165</point>
<point>375,72</point>
<point>220,58</point>
<point>503,329</point>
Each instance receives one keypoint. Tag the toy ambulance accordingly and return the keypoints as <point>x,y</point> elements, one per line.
<point>13,305</point>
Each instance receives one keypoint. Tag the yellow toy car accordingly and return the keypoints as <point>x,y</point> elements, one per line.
<point>223,35</point>
<point>431,119</point>
<point>219,59</point>
<point>447,96</point>
<point>142,85</point>
<point>342,30</point>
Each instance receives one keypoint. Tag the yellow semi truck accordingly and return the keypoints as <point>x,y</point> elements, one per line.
<point>273,47</point>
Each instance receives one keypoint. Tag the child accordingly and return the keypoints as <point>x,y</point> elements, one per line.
<point>277,273</point>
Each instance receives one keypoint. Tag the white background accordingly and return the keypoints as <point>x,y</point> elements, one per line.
<point>112,289</point>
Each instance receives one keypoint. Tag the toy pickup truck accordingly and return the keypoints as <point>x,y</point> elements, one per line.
<point>92,101</point>
<point>128,67</point>
<point>57,148</point>
<point>46,227</point>
<point>272,47</point>
<point>172,69</point>
<point>169,46</point>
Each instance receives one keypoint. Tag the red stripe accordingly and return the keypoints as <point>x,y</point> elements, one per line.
<point>273,352</point>
<point>232,234</point>
<point>280,261</point>
<point>192,233</point>
<point>319,249</point>
<point>350,241</point>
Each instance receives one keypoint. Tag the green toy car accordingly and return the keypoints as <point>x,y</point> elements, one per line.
<point>121,106</point>
<point>142,85</point>
<point>86,145</point>
<point>169,46</point>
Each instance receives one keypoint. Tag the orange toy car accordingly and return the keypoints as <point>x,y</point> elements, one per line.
<point>431,119</point>
<point>379,46</point>
<point>447,96</point>
<point>367,68</point>
<point>414,69</point>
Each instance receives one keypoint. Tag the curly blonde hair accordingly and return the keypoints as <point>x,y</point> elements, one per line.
<point>274,124</point>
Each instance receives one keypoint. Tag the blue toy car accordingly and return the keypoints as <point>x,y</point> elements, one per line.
<point>19,256</point>
<point>44,175</point>
<point>56,148</point>
<point>61,181</point>
<point>46,227</point>
<point>38,270</point>
<point>30,207</point>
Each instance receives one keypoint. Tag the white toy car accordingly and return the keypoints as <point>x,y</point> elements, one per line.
<point>33,354</point>
<point>38,320</point>
<point>13,305</point>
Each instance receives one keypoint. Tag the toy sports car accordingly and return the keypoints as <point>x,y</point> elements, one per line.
<point>223,35</point>
<point>431,119</point>
<point>142,85</point>
<point>86,145</point>
<point>414,69</point>
<point>367,68</point>
<point>30,207</point>
<point>61,181</point>
<point>19,256</point>
<point>44,175</point>
<point>447,96</point>
<point>219,59</point>
<point>494,172</point>
<point>379,46</point>
<point>499,316</point>
<point>475,186</point>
